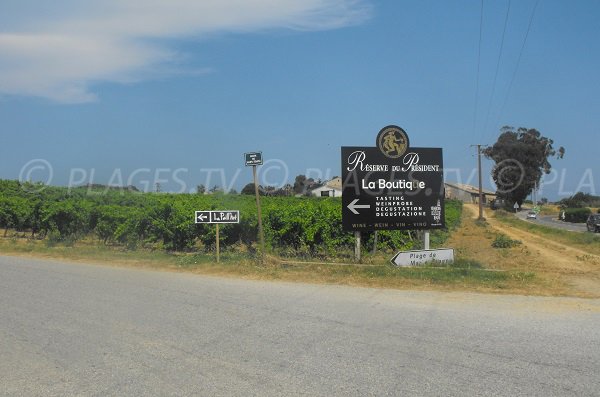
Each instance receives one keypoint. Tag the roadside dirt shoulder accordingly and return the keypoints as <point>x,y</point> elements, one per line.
<point>575,267</point>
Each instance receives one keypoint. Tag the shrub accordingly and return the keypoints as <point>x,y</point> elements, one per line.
<point>67,220</point>
<point>503,241</point>
<point>577,215</point>
<point>108,220</point>
<point>580,200</point>
<point>295,226</point>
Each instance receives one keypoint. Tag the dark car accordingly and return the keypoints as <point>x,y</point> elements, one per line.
<point>593,223</point>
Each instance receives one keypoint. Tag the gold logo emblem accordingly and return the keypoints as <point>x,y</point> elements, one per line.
<point>392,141</point>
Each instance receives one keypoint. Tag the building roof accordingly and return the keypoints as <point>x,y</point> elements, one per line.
<point>469,188</point>
<point>335,183</point>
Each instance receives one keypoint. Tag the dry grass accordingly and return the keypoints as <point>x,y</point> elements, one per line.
<point>538,266</point>
<point>463,276</point>
<point>560,269</point>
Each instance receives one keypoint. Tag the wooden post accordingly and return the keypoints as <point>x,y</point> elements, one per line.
<point>261,236</point>
<point>357,246</point>
<point>480,184</point>
<point>375,243</point>
<point>218,256</point>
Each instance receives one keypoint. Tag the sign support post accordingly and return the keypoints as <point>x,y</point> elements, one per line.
<point>375,243</point>
<point>216,217</point>
<point>426,240</point>
<point>357,246</point>
<point>254,159</point>
<point>261,236</point>
<point>218,258</point>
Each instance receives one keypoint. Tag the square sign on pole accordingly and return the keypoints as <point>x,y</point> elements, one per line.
<point>254,158</point>
<point>392,186</point>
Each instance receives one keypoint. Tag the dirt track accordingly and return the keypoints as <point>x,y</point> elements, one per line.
<point>577,268</point>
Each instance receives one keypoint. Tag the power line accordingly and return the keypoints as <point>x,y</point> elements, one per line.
<point>478,68</point>
<point>518,59</point>
<point>487,116</point>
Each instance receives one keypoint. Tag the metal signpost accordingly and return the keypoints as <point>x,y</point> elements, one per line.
<point>255,159</point>
<point>392,186</point>
<point>218,217</point>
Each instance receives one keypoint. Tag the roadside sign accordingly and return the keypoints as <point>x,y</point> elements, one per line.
<point>218,216</point>
<point>253,158</point>
<point>225,216</point>
<point>203,217</point>
<point>392,186</point>
<point>420,257</point>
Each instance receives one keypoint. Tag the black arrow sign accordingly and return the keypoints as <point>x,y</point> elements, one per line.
<point>203,217</point>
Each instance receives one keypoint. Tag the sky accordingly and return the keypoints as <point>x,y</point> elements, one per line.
<point>175,92</point>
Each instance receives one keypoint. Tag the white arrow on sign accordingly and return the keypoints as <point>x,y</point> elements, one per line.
<point>201,217</point>
<point>353,206</point>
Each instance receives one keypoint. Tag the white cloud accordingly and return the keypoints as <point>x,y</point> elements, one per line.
<point>56,49</point>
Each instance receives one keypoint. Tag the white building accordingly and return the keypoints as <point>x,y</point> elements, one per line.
<point>332,188</point>
<point>467,193</point>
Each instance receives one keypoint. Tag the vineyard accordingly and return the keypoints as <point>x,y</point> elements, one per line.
<point>294,226</point>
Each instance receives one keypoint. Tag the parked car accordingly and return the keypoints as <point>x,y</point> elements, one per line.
<point>593,223</point>
<point>531,215</point>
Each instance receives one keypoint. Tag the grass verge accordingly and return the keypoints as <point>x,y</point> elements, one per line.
<point>462,275</point>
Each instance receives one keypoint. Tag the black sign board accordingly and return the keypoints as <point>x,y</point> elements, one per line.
<point>254,158</point>
<point>400,192</point>
<point>218,216</point>
<point>203,217</point>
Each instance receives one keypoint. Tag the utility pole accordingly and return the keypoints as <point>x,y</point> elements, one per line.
<point>480,180</point>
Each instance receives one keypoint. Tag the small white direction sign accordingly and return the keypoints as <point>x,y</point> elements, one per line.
<point>218,216</point>
<point>420,257</point>
<point>225,216</point>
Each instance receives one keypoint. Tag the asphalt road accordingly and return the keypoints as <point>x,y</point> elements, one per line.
<point>84,330</point>
<point>551,221</point>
